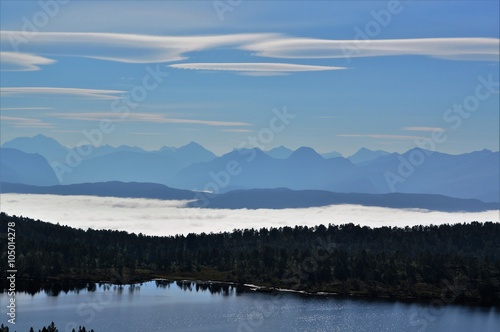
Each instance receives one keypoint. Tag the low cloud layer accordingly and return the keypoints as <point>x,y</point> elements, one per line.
<point>158,217</point>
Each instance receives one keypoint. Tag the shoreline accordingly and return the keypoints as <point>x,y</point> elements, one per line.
<point>248,287</point>
<point>269,289</point>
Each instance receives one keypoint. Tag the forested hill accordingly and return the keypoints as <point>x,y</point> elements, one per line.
<point>282,198</point>
<point>103,189</point>
<point>276,198</point>
<point>461,261</point>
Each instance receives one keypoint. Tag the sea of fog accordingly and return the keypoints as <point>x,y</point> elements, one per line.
<point>161,217</point>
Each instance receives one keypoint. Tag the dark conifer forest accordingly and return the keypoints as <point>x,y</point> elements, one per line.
<point>461,261</point>
<point>50,328</point>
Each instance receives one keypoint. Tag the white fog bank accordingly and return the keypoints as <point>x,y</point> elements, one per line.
<point>158,217</point>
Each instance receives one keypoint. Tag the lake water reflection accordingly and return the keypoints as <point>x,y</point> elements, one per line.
<point>186,306</point>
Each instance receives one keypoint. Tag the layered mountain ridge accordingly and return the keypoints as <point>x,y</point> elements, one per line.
<point>42,161</point>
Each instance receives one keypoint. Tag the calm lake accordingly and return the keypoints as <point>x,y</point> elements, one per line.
<point>186,306</point>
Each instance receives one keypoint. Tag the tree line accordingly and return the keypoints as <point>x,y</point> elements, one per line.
<point>50,328</point>
<point>410,262</point>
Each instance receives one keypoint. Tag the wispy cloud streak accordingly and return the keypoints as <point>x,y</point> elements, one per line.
<point>15,61</point>
<point>237,130</point>
<point>423,129</point>
<point>129,48</point>
<point>25,108</point>
<point>382,136</point>
<point>135,48</point>
<point>143,117</point>
<point>20,122</point>
<point>444,48</point>
<point>73,92</point>
<point>254,67</point>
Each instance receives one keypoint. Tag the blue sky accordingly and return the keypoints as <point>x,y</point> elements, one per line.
<point>381,75</point>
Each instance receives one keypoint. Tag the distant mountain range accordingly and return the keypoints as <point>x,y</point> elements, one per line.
<point>282,152</point>
<point>41,160</point>
<point>364,155</point>
<point>279,198</point>
<point>22,167</point>
<point>107,163</point>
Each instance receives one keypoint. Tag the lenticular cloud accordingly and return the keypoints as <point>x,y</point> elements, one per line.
<point>159,217</point>
<point>254,67</point>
